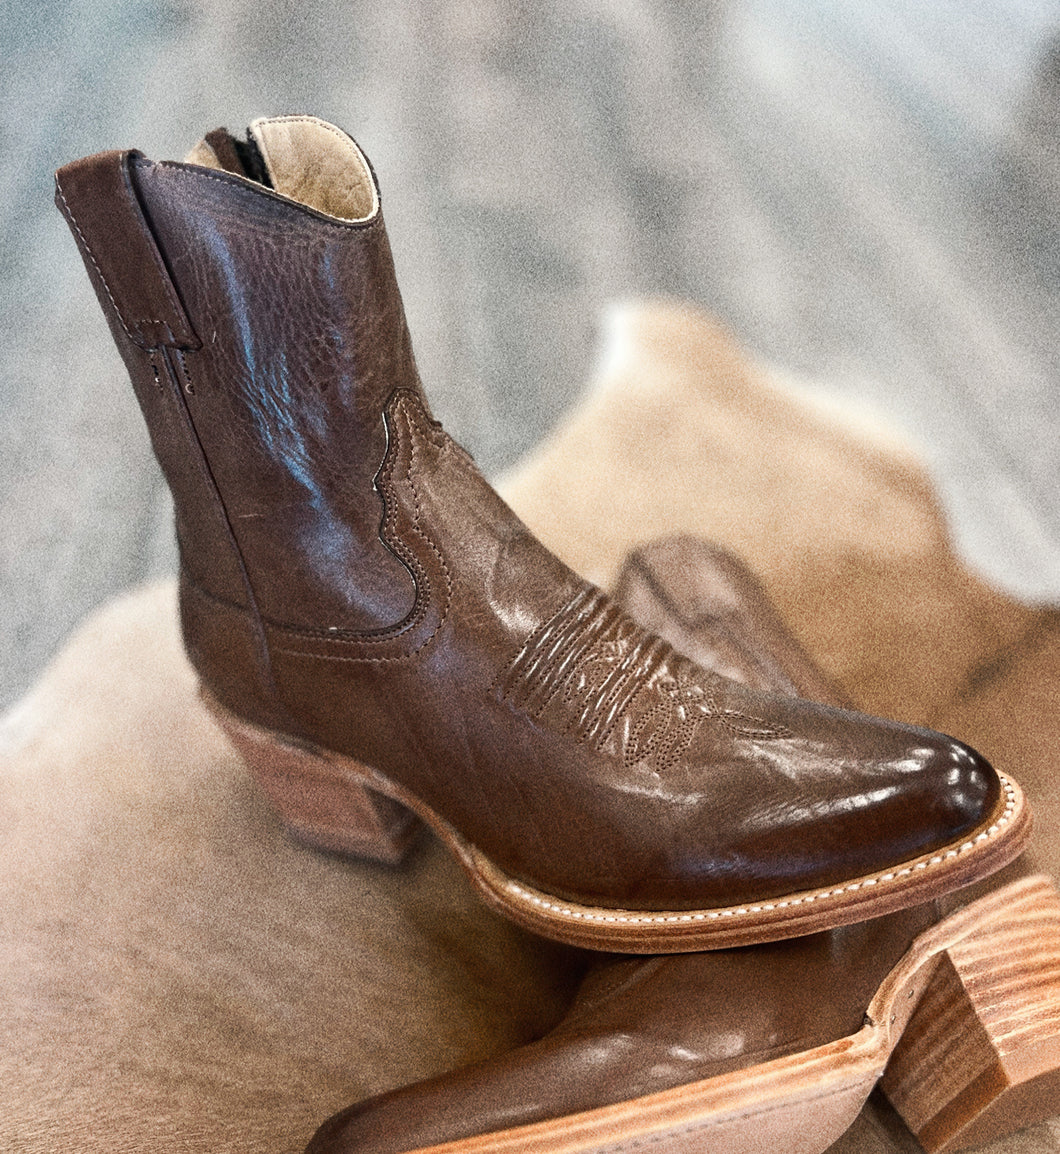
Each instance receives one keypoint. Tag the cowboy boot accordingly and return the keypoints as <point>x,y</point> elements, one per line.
<point>379,634</point>
<point>769,1047</point>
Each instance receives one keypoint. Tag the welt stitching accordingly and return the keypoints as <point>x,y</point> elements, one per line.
<point>1010,804</point>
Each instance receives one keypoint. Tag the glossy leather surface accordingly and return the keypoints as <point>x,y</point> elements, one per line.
<point>350,579</point>
<point>638,1026</point>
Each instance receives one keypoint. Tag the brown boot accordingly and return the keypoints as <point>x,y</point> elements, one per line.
<point>771,1047</point>
<point>378,633</point>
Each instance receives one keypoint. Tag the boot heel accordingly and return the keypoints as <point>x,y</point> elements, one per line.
<point>980,1056</point>
<point>321,800</point>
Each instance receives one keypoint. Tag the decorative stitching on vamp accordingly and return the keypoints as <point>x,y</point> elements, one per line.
<point>590,668</point>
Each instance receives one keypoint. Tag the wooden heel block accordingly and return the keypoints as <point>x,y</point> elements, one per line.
<point>980,1056</point>
<point>322,800</point>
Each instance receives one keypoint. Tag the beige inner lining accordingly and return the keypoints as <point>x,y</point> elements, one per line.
<point>315,163</point>
<point>312,162</point>
<point>204,156</point>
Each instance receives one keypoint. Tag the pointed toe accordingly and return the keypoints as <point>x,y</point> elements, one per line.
<point>966,787</point>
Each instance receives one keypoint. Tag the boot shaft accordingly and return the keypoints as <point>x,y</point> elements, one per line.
<point>263,336</point>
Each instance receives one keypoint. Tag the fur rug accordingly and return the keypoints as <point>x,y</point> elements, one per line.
<point>176,975</point>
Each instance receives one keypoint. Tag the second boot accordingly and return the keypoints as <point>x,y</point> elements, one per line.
<point>381,636</point>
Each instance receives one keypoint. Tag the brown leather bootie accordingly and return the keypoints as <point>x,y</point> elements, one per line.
<point>379,634</point>
<point>770,1047</point>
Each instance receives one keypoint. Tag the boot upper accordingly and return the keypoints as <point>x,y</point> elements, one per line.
<point>350,580</point>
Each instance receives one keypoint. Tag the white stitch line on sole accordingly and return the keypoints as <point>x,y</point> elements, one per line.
<point>517,890</point>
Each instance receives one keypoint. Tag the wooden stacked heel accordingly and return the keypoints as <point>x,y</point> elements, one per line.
<point>322,802</point>
<point>980,1056</point>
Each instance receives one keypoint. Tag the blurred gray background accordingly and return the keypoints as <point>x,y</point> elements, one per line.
<point>865,192</point>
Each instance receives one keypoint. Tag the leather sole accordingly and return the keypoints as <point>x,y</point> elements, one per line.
<point>965,1031</point>
<point>335,803</point>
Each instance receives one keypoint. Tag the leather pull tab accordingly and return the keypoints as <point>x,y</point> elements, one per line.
<point>98,198</point>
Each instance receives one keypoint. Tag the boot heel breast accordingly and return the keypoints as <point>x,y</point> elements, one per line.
<point>321,801</point>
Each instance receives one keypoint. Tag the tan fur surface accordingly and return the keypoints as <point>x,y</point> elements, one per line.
<point>176,975</point>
